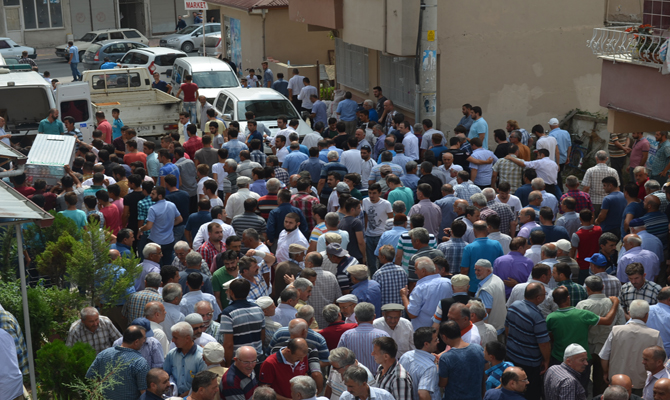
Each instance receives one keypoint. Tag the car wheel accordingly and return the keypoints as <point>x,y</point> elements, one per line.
<point>187,47</point>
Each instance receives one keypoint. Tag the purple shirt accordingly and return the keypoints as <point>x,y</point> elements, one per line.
<point>513,265</point>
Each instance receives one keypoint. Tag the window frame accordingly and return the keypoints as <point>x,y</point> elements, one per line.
<point>352,65</point>
<point>36,15</point>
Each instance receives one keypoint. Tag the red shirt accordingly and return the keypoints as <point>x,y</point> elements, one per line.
<point>641,193</point>
<point>276,373</point>
<point>106,128</point>
<point>189,90</point>
<point>334,331</point>
<point>132,157</point>
<point>193,144</point>
<point>112,218</point>
<point>25,190</point>
<point>588,244</point>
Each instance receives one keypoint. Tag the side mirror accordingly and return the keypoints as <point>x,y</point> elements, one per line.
<point>196,34</point>
<point>227,117</point>
<point>168,73</point>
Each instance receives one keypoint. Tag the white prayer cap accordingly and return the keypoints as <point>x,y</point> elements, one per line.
<point>573,350</point>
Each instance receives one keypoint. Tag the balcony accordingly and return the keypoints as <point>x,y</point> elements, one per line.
<point>639,45</point>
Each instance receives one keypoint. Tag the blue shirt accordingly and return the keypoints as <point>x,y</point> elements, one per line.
<point>319,109</point>
<point>369,291</point>
<point>347,110</point>
<point>466,121</point>
<point>615,203</point>
<point>51,128</point>
<point>169,169</point>
<point>480,248</point>
<point>160,85</point>
<point>503,394</point>
<point>74,50</point>
<point>293,160</point>
<point>196,220</point>
<point>162,214</point>
<point>522,193</point>
<point>182,368</point>
<point>312,165</point>
<point>153,166</point>
<point>258,186</point>
<point>649,242</point>
<point>464,368</point>
<point>446,204</point>
<point>637,209</point>
<point>659,319</point>
<point>563,139</point>
<point>484,171</point>
<point>131,378</point>
<point>423,300</point>
<point>255,135</point>
<point>234,147</point>
<point>410,181</point>
<point>390,237</point>
<point>420,365</point>
<point>116,128</point>
<point>122,248</point>
<point>268,77</point>
<point>495,374</point>
<point>379,158</point>
<point>108,65</point>
<point>402,160</point>
<point>281,86</point>
<point>478,127</point>
<point>527,328</point>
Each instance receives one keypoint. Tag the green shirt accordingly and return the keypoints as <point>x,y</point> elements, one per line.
<point>404,194</point>
<point>570,325</point>
<point>219,277</point>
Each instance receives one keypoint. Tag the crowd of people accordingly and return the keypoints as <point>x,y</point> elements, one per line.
<point>371,259</point>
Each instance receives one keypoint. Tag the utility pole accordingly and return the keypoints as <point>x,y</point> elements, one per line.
<point>425,66</point>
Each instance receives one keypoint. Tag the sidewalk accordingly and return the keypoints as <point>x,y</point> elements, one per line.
<point>49,53</point>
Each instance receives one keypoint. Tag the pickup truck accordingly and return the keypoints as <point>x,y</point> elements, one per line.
<point>151,112</point>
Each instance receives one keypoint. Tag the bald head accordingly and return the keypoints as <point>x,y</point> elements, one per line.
<point>662,389</point>
<point>297,328</point>
<point>623,381</point>
<point>114,254</point>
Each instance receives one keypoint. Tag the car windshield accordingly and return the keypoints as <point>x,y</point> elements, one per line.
<point>215,79</point>
<point>266,110</point>
<point>88,37</point>
<point>188,29</point>
<point>93,48</point>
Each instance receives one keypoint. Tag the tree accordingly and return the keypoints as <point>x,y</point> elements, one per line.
<point>52,262</point>
<point>105,281</point>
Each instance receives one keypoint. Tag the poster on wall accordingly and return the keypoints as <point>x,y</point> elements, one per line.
<point>234,51</point>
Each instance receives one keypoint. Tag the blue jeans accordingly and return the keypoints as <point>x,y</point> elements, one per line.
<point>75,71</point>
<point>190,107</point>
<point>370,246</point>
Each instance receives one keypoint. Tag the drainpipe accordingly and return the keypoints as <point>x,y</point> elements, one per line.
<point>263,11</point>
<point>417,66</point>
<point>384,27</point>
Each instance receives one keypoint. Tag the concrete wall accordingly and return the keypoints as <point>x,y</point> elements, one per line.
<point>628,11</point>
<point>41,38</point>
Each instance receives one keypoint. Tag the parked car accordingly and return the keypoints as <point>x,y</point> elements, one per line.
<point>98,36</point>
<point>212,45</point>
<point>189,38</point>
<point>9,48</point>
<point>153,58</point>
<point>113,49</point>
<point>210,74</point>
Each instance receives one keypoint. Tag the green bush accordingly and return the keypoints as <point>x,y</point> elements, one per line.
<point>52,262</point>
<point>60,366</point>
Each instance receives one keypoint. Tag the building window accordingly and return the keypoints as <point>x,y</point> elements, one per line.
<point>396,77</point>
<point>42,14</point>
<point>352,65</point>
<point>657,13</point>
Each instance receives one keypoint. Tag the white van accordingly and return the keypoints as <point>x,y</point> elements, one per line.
<point>210,74</point>
<point>25,100</point>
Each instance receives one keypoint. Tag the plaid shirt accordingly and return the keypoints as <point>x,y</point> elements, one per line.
<point>396,381</point>
<point>305,202</point>
<point>611,285</point>
<point>101,339</point>
<point>204,268</point>
<point>577,292</point>
<point>282,175</point>
<point>486,212</point>
<point>583,199</point>
<point>453,253</point>
<point>143,207</point>
<point>464,190</point>
<point>258,156</point>
<point>562,382</point>
<point>209,252</point>
<point>391,278</point>
<point>593,179</point>
<point>258,288</point>
<point>648,292</point>
<point>11,326</point>
<point>505,213</point>
<point>509,172</point>
<point>132,376</point>
<point>326,291</point>
<point>134,306</point>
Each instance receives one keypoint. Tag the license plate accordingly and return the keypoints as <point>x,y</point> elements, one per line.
<point>145,128</point>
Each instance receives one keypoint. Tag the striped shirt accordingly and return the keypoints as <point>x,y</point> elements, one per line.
<point>396,381</point>
<point>405,244</point>
<point>131,377</point>
<point>359,340</point>
<point>245,321</point>
<point>318,230</point>
<point>562,382</point>
<point>420,365</point>
<point>259,157</point>
<point>266,204</point>
<point>657,224</point>
<point>342,275</point>
<point>391,278</point>
<point>527,329</point>
<point>101,339</point>
<point>237,386</point>
<point>313,339</point>
<point>242,222</point>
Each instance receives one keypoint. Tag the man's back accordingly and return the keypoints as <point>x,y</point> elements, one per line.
<point>626,347</point>
<point>131,376</point>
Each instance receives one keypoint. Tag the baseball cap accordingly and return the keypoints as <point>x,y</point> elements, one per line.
<point>597,259</point>
<point>553,121</point>
<point>342,188</point>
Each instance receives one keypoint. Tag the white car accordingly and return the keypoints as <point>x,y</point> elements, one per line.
<point>190,38</point>
<point>9,48</point>
<point>154,59</point>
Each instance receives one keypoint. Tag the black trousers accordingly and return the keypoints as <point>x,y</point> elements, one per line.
<point>534,390</point>
<point>618,163</point>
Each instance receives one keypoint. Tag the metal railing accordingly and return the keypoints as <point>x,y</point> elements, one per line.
<point>625,44</point>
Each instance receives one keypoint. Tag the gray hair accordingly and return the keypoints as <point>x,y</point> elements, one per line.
<point>633,240</point>
<point>297,327</point>
<point>302,284</point>
<point>601,155</point>
<point>420,234</point>
<point>534,195</point>
<point>171,291</point>
<point>332,219</point>
<point>243,182</point>
<point>425,264</point>
<point>652,185</point>
<point>640,168</point>
<point>230,163</point>
<point>489,193</point>
<point>572,181</point>
<point>388,252</point>
<point>461,206</point>
<point>399,207</point>
<point>330,314</point>
<point>638,309</point>
<point>343,356</point>
<point>306,312</point>
<point>150,249</point>
<point>333,155</point>
<point>181,245</point>
<point>202,303</point>
<point>183,328</point>
<point>264,393</point>
<point>153,280</point>
<point>252,233</point>
<point>369,102</point>
<point>478,199</point>
<point>365,312</point>
<point>239,350</point>
<point>477,308</point>
<point>150,311</point>
<point>304,385</point>
<point>193,259</point>
<point>594,282</point>
<point>88,312</point>
<point>516,133</point>
<point>548,251</point>
<point>410,166</point>
<point>273,185</point>
<point>537,184</point>
<point>615,392</point>
<point>356,374</point>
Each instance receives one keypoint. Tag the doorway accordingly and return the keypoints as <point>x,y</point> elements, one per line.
<point>13,25</point>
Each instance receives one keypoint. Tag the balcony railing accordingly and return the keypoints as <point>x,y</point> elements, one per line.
<point>623,44</point>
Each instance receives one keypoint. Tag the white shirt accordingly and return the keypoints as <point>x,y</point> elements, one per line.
<point>549,143</point>
<point>204,339</point>
<point>89,181</point>
<point>648,391</point>
<point>546,168</point>
<point>366,169</point>
<point>296,84</point>
<point>12,379</point>
<point>282,153</point>
<point>534,254</point>
<point>402,334</point>
<point>352,160</point>
<point>546,307</point>
<point>501,238</point>
<point>411,143</point>
<point>304,95</point>
<point>201,183</point>
<point>284,132</point>
<point>235,205</point>
<point>157,329</point>
<point>472,336</point>
<point>202,236</point>
<point>286,239</point>
<point>311,140</point>
<point>513,202</point>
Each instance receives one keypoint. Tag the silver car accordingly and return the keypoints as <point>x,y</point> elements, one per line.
<point>190,38</point>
